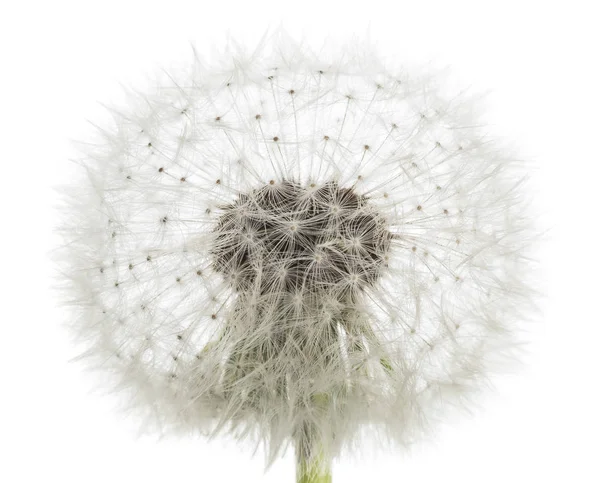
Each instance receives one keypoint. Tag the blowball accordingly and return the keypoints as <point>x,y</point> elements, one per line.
<point>293,251</point>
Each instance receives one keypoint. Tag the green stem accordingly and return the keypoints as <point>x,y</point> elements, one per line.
<point>313,469</point>
<point>313,464</point>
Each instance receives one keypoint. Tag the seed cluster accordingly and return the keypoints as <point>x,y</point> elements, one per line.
<point>287,250</point>
<point>290,238</point>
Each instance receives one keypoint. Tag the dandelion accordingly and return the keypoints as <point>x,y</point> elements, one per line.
<point>296,252</point>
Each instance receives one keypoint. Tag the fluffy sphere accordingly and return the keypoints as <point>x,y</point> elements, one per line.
<point>291,250</point>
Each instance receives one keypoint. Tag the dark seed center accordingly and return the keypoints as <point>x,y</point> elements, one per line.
<point>284,237</point>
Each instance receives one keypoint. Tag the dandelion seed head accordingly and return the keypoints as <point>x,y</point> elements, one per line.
<point>271,246</point>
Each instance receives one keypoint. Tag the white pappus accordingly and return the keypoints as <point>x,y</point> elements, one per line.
<point>296,251</point>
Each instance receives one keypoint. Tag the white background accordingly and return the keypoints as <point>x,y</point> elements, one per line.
<point>540,61</point>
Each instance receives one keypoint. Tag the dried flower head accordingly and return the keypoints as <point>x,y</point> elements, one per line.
<point>291,251</point>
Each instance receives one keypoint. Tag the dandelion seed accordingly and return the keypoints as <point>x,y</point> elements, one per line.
<point>308,283</point>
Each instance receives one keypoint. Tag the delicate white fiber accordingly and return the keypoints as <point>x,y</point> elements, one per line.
<point>273,245</point>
